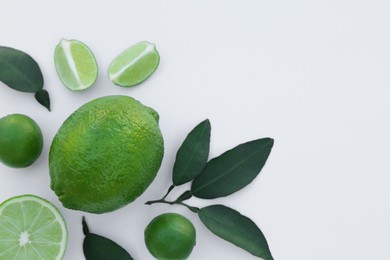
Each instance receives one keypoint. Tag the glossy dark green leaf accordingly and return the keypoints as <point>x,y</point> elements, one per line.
<point>21,72</point>
<point>100,248</point>
<point>185,196</point>
<point>193,154</point>
<point>231,226</point>
<point>232,170</point>
<point>42,96</point>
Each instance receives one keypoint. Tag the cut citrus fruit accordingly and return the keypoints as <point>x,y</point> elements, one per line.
<point>134,65</point>
<point>31,228</point>
<point>76,66</point>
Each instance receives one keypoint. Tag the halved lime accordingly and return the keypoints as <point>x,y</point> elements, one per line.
<point>31,228</point>
<point>134,65</point>
<point>76,66</point>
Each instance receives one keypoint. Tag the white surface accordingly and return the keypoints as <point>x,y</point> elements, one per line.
<point>312,74</point>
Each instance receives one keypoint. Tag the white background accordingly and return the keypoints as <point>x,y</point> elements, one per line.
<point>312,74</point>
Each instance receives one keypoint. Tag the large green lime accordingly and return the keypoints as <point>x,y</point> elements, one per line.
<point>21,141</point>
<point>31,228</point>
<point>170,236</point>
<point>105,154</point>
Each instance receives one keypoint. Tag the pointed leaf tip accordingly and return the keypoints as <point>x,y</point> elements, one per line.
<point>85,226</point>
<point>235,228</point>
<point>96,247</point>
<point>193,154</point>
<point>42,96</point>
<point>233,170</point>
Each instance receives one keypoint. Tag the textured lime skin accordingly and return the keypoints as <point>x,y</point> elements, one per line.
<point>21,141</point>
<point>105,154</point>
<point>170,236</point>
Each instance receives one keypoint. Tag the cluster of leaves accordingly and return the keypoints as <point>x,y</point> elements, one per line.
<point>21,72</point>
<point>220,177</point>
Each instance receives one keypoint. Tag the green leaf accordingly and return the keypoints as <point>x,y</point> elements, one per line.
<point>100,248</point>
<point>231,226</point>
<point>185,196</point>
<point>21,72</point>
<point>232,170</point>
<point>42,96</point>
<point>193,154</point>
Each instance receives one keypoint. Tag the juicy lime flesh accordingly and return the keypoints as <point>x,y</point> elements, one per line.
<point>105,154</point>
<point>170,236</point>
<point>134,65</point>
<point>31,228</point>
<point>21,141</point>
<point>76,65</point>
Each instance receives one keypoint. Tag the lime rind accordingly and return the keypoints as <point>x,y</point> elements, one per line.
<point>134,65</point>
<point>75,64</point>
<point>36,246</point>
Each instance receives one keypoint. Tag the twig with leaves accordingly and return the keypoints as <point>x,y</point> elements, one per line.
<point>220,177</point>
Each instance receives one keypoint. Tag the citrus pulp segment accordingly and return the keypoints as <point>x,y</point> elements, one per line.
<point>134,65</point>
<point>76,65</point>
<point>31,228</point>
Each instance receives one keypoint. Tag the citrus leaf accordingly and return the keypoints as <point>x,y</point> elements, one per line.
<point>232,170</point>
<point>185,196</point>
<point>21,72</point>
<point>239,230</point>
<point>100,248</point>
<point>42,96</point>
<point>193,154</point>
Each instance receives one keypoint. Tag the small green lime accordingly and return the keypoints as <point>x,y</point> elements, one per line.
<point>105,154</point>
<point>170,236</point>
<point>76,66</point>
<point>31,228</point>
<point>134,65</point>
<point>21,141</point>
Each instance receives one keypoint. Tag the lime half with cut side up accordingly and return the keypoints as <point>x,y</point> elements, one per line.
<point>31,228</point>
<point>76,65</point>
<point>134,65</point>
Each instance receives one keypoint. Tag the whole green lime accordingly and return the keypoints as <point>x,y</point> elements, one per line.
<point>105,154</point>
<point>170,236</point>
<point>21,141</point>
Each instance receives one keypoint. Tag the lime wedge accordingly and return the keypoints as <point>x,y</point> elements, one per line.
<point>31,228</point>
<point>134,65</point>
<point>76,66</point>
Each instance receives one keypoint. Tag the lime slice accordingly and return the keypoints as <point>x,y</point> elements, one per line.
<point>31,228</point>
<point>134,65</point>
<point>76,66</point>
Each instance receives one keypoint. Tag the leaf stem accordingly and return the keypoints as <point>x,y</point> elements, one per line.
<point>169,190</point>
<point>159,201</point>
<point>176,202</point>
<point>85,227</point>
